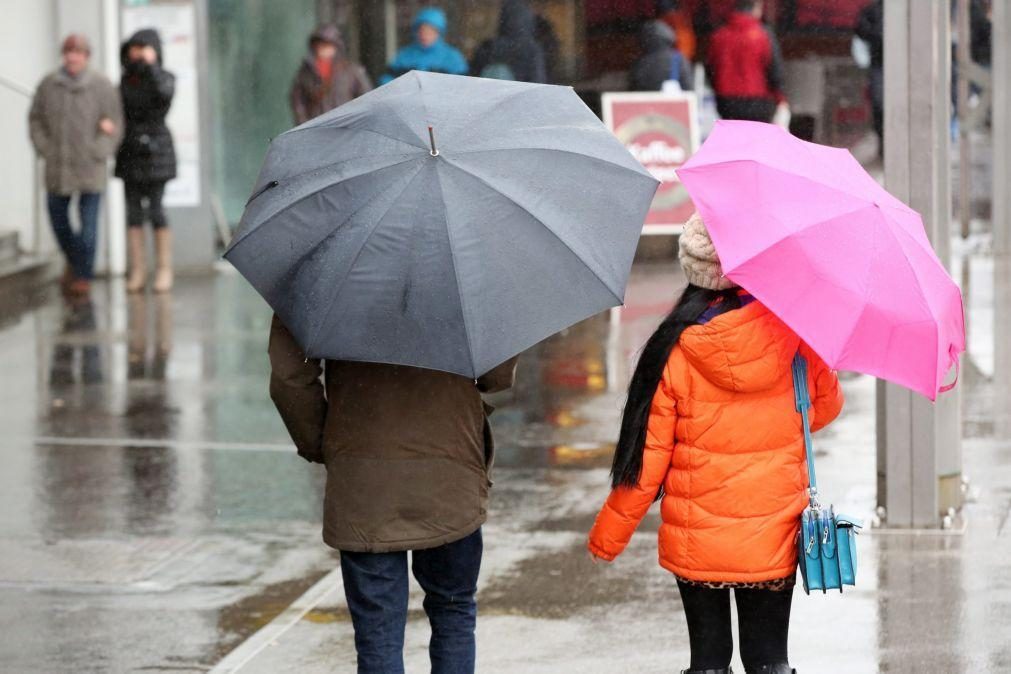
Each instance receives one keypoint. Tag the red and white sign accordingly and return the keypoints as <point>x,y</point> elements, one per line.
<point>662,132</point>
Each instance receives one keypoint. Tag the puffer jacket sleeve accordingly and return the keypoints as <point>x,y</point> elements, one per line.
<point>297,392</point>
<point>826,394</point>
<point>625,507</point>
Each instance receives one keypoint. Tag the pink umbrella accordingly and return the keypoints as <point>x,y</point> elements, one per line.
<point>846,265</point>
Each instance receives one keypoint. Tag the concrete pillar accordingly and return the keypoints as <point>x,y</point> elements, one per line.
<point>1001,218</point>
<point>919,454</point>
<point>1001,129</point>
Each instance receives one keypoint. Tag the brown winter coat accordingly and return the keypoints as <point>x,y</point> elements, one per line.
<point>63,123</point>
<point>310,96</point>
<point>407,451</point>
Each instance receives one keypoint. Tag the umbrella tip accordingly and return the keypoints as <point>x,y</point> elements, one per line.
<point>431,138</point>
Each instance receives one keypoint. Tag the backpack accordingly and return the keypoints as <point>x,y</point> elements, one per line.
<point>498,71</point>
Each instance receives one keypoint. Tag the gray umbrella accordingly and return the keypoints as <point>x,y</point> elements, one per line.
<point>374,241</point>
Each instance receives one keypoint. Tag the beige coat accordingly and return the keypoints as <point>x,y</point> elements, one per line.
<point>407,451</point>
<point>63,123</point>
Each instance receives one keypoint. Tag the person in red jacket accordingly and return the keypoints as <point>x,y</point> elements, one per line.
<point>745,66</point>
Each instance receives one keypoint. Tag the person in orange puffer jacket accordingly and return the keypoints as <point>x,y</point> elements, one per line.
<point>710,428</point>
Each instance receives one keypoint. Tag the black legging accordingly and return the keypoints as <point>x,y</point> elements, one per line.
<point>136,212</point>
<point>763,619</point>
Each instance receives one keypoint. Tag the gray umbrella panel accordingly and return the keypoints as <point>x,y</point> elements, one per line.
<point>455,262</point>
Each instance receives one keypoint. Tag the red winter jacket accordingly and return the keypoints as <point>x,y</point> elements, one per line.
<point>744,60</point>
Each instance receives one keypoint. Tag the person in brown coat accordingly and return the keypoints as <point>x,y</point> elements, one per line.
<point>407,453</point>
<point>327,78</point>
<point>75,124</point>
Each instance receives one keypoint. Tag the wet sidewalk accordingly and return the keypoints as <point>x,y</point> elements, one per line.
<point>154,517</point>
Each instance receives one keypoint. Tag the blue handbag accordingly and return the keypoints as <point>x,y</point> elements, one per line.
<point>826,542</point>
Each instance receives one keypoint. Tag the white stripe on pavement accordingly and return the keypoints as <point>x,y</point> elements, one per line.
<point>288,618</point>
<point>158,442</point>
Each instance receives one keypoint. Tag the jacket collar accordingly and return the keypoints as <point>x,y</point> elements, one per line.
<point>82,80</point>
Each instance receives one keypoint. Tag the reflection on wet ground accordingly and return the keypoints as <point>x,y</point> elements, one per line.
<point>154,516</point>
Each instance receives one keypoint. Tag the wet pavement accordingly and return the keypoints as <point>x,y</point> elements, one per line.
<point>153,516</point>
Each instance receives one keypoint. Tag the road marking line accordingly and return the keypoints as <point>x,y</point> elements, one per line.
<point>167,442</point>
<point>267,635</point>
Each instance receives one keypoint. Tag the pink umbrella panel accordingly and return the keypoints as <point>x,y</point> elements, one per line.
<point>845,264</point>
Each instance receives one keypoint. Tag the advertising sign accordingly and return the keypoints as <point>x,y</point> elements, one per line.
<point>662,131</point>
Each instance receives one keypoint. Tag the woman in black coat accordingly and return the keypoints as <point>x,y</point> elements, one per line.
<point>147,158</point>
<point>514,54</point>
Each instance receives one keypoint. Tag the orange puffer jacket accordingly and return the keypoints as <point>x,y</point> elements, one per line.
<point>724,439</point>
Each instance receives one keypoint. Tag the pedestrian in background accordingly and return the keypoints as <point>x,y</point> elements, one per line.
<point>745,66</point>
<point>147,158</point>
<point>871,28</point>
<point>680,21</point>
<point>407,453</point>
<point>547,38</point>
<point>711,428</point>
<point>327,78</point>
<point>660,61</point>
<point>75,124</point>
<point>429,51</point>
<point>514,53</point>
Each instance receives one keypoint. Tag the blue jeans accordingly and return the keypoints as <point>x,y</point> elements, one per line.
<point>78,248</point>
<point>375,585</point>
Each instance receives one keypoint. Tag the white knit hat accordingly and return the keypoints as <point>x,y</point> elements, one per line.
<point>698,257</point>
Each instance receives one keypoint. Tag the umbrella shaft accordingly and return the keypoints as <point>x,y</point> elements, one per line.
<point>431,137</point>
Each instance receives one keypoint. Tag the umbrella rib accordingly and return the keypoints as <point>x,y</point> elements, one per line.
<point>788,235</point>
<point>720,164</point>
<point>527,88</point>
<point>313,193</point>
<point>348,128</point>
<point>459,286</point>
<point>358,254</point>
<point>537,219</point>
<point>551,149</point>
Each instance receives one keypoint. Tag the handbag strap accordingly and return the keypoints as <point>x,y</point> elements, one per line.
<point>802,398</point>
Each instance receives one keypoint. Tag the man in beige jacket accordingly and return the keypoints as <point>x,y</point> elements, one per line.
<point>76,125</point>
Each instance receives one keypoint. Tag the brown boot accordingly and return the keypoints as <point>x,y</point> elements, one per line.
<point>163,253</point>
<point>138,260</point>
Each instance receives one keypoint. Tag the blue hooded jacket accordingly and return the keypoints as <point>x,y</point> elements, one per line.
<point>439,58</point>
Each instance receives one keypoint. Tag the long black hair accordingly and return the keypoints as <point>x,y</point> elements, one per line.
<point>627,465</point>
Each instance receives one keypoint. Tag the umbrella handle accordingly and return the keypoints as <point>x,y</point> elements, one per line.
<point>948,387</point>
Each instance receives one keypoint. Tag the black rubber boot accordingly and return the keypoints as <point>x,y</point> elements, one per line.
<point>779,668</point>
<point>728,670</point>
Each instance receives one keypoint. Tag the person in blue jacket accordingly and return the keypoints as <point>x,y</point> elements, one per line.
<point>429,51</point>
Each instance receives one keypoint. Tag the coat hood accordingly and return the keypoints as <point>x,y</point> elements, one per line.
<point>656,36</point>
<point>744,350</point>
<point>433,16</point>
<point>146,37</point>
<point>517,20</point>
<point>328,33</point>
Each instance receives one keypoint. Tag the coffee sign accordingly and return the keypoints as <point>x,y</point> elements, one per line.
<point>661,131</point>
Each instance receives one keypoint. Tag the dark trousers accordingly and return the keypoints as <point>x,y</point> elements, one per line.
<point>750,109</point>
<point>876,84</point>
<point>375,585</point>
<point>763,620</point>
<point>143,203</point>
<point>77,247</point>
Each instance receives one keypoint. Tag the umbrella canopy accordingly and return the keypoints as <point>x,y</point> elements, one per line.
<point>841,261</point>
<point>376,241</point>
